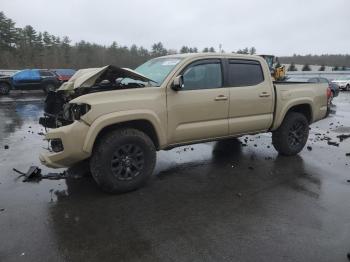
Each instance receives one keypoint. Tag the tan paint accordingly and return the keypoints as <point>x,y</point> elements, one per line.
<point>251,107</point>
<point>186,117</point>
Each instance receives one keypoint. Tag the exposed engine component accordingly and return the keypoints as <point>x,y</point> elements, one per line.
<point>59,112</point>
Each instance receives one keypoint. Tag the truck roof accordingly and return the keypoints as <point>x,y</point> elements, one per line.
<point>229,55</point>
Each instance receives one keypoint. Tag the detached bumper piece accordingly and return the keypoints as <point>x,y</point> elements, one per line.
<point>34,175</point>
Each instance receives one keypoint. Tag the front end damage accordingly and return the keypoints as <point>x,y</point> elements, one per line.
<point>67,132</point>
<point>58,110</point>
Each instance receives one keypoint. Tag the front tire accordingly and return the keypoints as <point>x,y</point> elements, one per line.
<point>123,160</point>
<point>4,88</point>
<point>290,138</point>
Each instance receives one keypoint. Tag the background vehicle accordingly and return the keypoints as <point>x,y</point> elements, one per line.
<point>333,86</point>
<point>278,71</point>
<point>29,79</point>
<point>63,74</point>
<point>117,118</point>
<point>343,83</point>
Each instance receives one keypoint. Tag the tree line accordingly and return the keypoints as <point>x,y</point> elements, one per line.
<point>27,48</point>
<point>338,62</point>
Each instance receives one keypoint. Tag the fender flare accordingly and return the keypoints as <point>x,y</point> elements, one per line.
<point>298,102</point>
<point>122,117</point>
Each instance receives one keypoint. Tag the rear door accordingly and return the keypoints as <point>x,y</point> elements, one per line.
<point>31,80</point>
<point>199,110</point>
<point>251,96</point>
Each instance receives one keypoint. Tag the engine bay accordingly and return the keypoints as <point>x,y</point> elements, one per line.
<point>59,112</point>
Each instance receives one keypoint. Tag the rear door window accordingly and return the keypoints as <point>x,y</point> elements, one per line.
<point>45,73</point>
<point>244,73</point>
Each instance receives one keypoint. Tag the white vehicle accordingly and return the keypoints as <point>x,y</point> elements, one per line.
<point>343,82</point>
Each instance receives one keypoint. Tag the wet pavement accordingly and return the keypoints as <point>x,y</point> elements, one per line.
<point>220,201</point>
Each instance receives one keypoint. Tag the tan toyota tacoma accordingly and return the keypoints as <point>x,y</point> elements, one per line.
<point>117,118</point>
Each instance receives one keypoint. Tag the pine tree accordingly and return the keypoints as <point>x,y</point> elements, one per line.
<point>158,49</point>
<point>306,67</point>
<point>252,50</point>
<point>292,67</point>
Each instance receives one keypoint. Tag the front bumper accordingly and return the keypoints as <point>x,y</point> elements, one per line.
<point>73,138</point>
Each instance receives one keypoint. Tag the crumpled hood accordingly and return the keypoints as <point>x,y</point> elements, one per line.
<point>88,77</point>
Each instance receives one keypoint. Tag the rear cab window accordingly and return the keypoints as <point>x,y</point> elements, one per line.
<point>244,73</point>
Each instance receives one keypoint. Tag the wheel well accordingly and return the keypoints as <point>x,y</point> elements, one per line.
<point>142,125</point>
<point>49,82</point>
<point>304,109</point>
<point>5,83</point>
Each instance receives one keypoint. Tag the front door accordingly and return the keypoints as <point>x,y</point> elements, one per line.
<point>199,110</point>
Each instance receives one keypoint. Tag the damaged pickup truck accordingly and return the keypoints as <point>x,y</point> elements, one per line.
<point>117,118</point>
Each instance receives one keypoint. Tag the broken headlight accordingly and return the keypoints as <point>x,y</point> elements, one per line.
<point>73,112</point>
<point>56,145</point>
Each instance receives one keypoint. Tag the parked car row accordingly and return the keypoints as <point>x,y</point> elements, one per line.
<point>332,86</point>
<point>32,79</point>
<point>343,83</point>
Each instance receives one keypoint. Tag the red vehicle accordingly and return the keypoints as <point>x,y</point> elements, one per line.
<point>63,75</point>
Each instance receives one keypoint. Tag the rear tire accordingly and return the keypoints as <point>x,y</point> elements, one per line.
<point>290,138</point>
<point>4,89</point>
<point>123,160</point>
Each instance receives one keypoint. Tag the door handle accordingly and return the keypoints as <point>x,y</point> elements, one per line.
<point>221,98</point>
<point>264,94</point>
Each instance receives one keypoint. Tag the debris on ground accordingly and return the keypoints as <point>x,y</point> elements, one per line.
<point>2,209</point>
<point>55,176</point>
<point>41,134</point>
<point>331,143</point>
<point>347,154</point>
<point>348,256</point>
<point>343,137</point>
<point>6,147</point>
<point>309,148</point>
<point>348,180</point>
<point>34,174</point>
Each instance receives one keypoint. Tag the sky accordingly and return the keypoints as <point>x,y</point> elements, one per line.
<point>272,27</point>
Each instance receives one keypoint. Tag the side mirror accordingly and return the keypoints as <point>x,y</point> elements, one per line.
<point>177,83</point>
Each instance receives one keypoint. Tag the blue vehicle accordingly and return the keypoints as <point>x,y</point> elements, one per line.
<point>29,79</point>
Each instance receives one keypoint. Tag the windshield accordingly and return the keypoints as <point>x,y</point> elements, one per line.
<point>158,69</point>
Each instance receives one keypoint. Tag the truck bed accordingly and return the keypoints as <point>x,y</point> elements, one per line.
<point>311,95</point>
